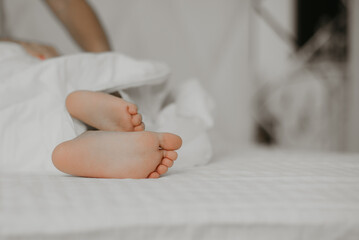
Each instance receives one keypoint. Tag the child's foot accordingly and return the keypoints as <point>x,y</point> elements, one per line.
<point>104,112</point>
<point>117,154</point>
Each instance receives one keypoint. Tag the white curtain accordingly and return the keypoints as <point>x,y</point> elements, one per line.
<point>206,39</point>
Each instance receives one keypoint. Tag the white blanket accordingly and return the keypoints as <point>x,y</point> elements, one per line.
<point>33,117</point>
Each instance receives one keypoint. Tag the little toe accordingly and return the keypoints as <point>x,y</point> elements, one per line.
<point>132,109</point>
<point>167,162</point>
<point>136,119</point>
<point>162,169</point>
<point>154,175</point>
<point>140,127</point>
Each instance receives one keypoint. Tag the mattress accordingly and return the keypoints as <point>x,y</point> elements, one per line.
<point>242,194</point>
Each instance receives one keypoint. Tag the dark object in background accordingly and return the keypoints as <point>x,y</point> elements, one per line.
<point>311,15</point>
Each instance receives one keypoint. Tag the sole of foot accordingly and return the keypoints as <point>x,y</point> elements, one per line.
<point>106,154</point>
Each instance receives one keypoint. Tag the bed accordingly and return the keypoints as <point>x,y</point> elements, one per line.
<point>241,194</point>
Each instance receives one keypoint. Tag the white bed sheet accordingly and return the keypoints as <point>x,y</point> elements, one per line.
<point>252,194</point>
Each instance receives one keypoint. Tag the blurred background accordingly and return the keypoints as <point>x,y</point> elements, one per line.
<point>283,73</point>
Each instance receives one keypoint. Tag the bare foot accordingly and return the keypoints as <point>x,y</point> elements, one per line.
<point>117,154</point>
<point>104,111</point>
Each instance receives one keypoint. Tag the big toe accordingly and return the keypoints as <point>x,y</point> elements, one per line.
<point>169,141</point>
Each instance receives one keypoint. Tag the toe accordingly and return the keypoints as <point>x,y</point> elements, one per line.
<point>167,162</point>
<point>132,109</point>
<point>154,175</point>
<point>161,169</point>
<point>136,119</point>
<point>172,155</point>
<point>140,127</point>
<point>169,141</point>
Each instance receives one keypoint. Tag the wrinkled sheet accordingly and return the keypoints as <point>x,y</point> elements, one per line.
<point>244,194</point>
<point>34,119</point>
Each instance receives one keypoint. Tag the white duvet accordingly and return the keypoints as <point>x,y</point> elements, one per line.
<point>33,117</point>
